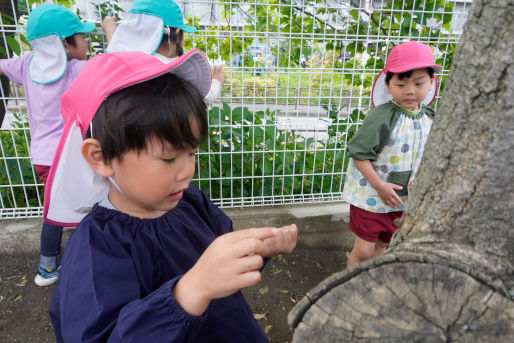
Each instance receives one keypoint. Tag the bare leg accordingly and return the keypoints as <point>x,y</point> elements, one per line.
<point>380,247</point>
<point>361,252</point>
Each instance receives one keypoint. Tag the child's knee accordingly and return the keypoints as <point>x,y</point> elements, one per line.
<point>363,252</point>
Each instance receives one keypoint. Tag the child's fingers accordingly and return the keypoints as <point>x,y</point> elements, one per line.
<point>248,279</point>
<point>247,246</point>
<point>258,233</point>
<point>249,263</point>
<point>397,187</point>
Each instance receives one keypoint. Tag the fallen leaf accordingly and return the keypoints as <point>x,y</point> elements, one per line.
<point>18,297</point>
<point>318,265</point>
<point>284,261</point>
<point>293,300</point>
<point>258,316</point>
<point>288,273</point>
<point>281,291</point>
<point>263,290</point>
<point>23,281</point>
<point>2,298</point>
<point>267,328</point>
<point>276,271</point>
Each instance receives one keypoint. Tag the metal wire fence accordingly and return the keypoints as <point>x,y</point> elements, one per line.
<point>299,75</point>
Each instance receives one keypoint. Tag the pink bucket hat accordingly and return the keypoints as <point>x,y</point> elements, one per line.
<point>72,186</point>
<point>404,57</point>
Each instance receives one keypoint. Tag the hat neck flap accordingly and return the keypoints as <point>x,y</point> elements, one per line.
<point>140,32</point>
<point>49,61</point>
<point>73,187</point>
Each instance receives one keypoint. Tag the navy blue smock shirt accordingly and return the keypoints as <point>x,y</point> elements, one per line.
<point>118,271</point>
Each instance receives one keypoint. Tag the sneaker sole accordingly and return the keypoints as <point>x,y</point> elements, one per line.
<point>43,282</point>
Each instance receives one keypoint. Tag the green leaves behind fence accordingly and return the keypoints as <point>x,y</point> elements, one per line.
<point>247,155</point>
<point>17,178</point>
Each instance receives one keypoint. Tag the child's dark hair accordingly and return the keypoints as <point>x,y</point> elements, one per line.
<point>166,108</point>
<point>71,40</point>
<point>175,38</point>
<point>407,74</point>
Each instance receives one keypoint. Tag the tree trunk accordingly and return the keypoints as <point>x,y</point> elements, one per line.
<point>449,273</point>
<point>5,8</point>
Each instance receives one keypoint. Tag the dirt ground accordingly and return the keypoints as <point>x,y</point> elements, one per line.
<point>286,279</point>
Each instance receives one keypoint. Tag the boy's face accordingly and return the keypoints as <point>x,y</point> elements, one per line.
<point>410,92</point>
<point>79,51</point>
<point>152,180</point>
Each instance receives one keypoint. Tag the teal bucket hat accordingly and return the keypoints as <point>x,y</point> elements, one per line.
<point>47,25</point>
<point>50,19</point>
<point>167,10</point>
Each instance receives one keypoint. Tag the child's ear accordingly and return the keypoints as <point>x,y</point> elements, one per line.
<point>92,153</point>
<point>66,46</point>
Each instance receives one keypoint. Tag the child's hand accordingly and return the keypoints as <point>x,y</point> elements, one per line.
<point>388,195</point>
<point>231,262</point>
<point>284,241</point>
<point>218,74</point>
<point>109,26</point>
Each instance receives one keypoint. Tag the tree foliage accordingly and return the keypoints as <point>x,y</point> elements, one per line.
<point>294,29</point>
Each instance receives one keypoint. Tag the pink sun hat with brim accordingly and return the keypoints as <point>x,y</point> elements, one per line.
<point>73,187</point>
<point>404,57</point>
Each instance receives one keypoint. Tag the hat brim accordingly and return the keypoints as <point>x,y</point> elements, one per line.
<point>188,29</point>
<point>404,68</point>
<point>86,28</point>
<point>380,95</point>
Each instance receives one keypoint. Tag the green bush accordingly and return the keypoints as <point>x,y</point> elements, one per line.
<point>17,178</point>
<point>247,155</point>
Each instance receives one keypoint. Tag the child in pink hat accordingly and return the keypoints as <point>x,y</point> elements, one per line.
<point>153,259</point>
<point>386,151</point>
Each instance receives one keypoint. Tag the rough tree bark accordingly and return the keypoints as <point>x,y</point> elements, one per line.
<point>449,273</point>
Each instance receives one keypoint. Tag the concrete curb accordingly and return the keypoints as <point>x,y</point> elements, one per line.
<point>321,226</point>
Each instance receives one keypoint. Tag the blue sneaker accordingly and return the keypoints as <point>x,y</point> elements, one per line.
<point>45,277</point>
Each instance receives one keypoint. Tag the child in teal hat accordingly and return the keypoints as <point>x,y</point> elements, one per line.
<point>57,37</point>
<point>156,27</point>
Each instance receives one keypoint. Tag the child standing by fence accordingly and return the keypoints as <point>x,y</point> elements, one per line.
<point>60,48</point>
<point>155,260</point>
<point>386,151</point>
<point>156,27</point>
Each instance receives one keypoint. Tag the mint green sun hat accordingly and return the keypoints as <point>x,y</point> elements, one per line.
<point>50,19</point>
<point>144,27</point>
<point>47,25</point>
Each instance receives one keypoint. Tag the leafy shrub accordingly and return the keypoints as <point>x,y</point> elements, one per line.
<point>18,182</point>
<point>247,155</point>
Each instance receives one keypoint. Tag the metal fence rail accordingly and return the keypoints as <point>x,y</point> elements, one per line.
<point>299,75</point>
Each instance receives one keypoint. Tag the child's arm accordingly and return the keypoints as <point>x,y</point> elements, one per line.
<point>109,26</point>
<point>230,263</point>
<point>384,189</point>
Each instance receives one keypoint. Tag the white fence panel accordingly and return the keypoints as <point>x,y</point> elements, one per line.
<point>299,75</point>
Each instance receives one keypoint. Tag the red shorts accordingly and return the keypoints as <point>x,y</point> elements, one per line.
<point>42,171</point>
<point>371,226</point>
